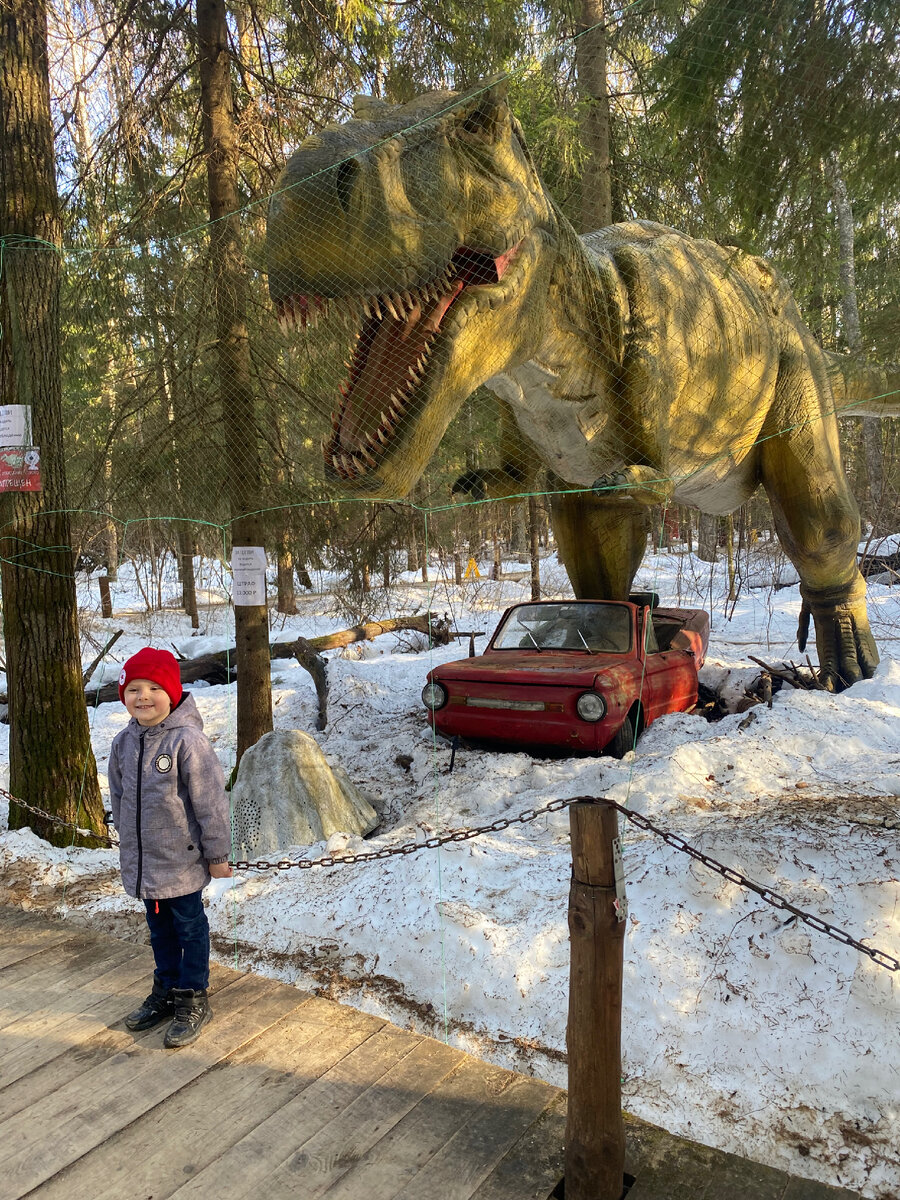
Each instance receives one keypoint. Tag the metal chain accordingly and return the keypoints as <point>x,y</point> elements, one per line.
<point>55,820</point>
<point>773,898</point>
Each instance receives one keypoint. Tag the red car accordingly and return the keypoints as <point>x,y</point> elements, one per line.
<point>578,675</point>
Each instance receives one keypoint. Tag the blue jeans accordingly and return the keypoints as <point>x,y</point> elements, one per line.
<point>179,937</point>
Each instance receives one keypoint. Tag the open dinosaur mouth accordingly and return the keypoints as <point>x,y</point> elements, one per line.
<point>396,336</point>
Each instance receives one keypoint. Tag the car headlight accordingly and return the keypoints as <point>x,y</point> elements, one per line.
<point>590,706</point>
<point>434,696</point>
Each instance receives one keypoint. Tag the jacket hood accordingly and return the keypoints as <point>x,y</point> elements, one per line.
<point>186,715</point>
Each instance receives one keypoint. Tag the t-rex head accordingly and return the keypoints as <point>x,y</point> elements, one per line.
<point>426,228</point>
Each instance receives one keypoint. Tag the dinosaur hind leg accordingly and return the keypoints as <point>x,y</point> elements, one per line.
<point>818,525</point>
<point>600,543</point>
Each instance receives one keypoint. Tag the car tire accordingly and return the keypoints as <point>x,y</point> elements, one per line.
<point>622,742</point>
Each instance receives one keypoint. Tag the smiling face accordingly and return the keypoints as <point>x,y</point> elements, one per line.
<point>146,701</point>
<point>425,229</point>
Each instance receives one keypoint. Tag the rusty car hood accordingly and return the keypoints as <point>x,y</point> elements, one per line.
<point>535,667</point>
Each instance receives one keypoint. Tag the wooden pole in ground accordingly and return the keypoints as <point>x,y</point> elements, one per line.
<point>595,1130</point>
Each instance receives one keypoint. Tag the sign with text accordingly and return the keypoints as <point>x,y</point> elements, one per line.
<point>248,571</point>
<point>20,469</point>
<point>15,425</point>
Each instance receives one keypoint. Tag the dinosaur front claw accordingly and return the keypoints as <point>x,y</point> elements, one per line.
<point>846,648</point>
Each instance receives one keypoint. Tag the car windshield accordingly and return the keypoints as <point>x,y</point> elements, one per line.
<point>598,628</point>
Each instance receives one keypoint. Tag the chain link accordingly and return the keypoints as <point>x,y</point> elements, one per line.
<point>773,898</point>
<point>55,820</point>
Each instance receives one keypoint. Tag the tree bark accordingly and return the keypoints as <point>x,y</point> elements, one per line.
<point>870,427</point>
<point>707,531</point>
<point>590,64</point>
<point>51,760</point>
<point>254,704</point>
<point>287,597</point>
<point>534,545</point>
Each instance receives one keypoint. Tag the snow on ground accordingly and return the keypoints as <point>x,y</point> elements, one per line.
<point>742,1028</point>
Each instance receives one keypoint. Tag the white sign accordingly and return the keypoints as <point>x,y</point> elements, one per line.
<point>248,571</point>
<point>248,558</point>
<point>15,425</point>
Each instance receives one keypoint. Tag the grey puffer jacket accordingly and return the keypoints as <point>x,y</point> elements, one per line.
<point>167,794</point>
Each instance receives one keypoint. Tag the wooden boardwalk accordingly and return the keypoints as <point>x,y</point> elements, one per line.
<point>283,1095</point>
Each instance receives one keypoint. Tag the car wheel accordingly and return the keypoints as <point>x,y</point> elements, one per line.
<point>623,741</point>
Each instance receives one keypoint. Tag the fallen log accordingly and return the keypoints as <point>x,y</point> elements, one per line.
<point>219,667</point>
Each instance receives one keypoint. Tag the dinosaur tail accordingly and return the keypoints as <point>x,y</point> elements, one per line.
<point>863,388</point>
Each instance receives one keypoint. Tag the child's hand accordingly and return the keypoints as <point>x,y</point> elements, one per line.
<point>220,870</point>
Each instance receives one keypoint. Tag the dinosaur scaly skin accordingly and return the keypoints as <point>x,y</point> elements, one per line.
<point>636,363</point>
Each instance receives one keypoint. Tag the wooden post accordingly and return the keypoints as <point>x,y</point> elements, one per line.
<point>595,1130</point>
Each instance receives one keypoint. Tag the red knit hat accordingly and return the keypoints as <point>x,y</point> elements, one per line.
<point>158,665</point>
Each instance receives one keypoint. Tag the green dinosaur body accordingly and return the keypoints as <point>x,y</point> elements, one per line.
<point>636,362</point>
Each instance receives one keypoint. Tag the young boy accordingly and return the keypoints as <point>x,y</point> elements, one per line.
<point>167,794</point>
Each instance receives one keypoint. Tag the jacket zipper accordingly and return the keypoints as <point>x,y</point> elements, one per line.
<point>137,816</point>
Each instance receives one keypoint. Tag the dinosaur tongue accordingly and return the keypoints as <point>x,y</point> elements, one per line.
<point>385,366</point>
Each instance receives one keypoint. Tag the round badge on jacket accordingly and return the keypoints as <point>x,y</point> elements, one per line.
<point>163,763</point>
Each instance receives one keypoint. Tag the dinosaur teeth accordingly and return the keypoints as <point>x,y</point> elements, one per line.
<point>390,307</point>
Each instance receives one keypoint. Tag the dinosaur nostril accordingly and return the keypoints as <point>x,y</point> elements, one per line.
<point>343,182</point>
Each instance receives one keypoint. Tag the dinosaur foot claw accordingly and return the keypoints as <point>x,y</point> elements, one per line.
<point>846,648</point>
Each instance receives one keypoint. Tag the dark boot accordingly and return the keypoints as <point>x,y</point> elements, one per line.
<point>156,1008</point>
<point>192,1011</point>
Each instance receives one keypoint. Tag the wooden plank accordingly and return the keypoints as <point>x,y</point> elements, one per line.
<point>193,1127</point>
<point>458,1169</point>
<point>246,1167</point>
<point>37,981</point>
<point>535,1164</point>
<point>400,1155</point>
<point>94,1106</point>
<point>684,1177</point>
<point>740,1179</point>
<point>76,1060</point>
<point>322,1159</point>
<point>13,918</point>
<point>808,1189</point>
<point>21,940</point>
<point>38,1037</point>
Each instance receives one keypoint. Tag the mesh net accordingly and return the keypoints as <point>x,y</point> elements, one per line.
<point>406,321</point>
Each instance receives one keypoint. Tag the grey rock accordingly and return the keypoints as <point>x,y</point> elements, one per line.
<point>286,794</point>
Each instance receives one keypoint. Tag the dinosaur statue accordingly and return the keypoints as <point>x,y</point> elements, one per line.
<point>637,364</point>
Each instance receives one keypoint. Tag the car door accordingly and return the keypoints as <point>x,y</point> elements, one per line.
<point>670,677</point>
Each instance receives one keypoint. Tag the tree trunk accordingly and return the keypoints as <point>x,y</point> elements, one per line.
<point>287,597</point>
<point>51,760</point>
<point>254,703</point>
<point>186,571</point>
<point>590,63</point>
<point>870,427</point>
<point>707,529</point>
<point>519,532</point>
<point>534,545</point>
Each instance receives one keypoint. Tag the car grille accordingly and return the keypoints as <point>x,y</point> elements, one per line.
<point>496,702</point>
